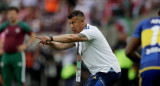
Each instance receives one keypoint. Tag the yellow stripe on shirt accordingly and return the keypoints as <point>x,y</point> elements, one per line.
<point>150,68</point>
<point>101,81</point>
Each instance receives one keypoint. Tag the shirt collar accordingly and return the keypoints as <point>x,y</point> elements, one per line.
<point>86,27</point>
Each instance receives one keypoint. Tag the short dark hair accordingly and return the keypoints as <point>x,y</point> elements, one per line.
<point>76,13</point>
<point>13,8</point>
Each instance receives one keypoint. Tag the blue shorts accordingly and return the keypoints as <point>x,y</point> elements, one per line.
<point>103,79</point>
<point>150,78</point>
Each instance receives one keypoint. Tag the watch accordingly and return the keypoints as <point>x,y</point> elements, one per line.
<point>51,38</point>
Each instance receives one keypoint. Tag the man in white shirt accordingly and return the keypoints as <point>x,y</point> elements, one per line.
<point>92,46</point>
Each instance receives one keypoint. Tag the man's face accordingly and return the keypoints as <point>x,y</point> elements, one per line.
<point>12,15</point>
<point>75,24</point>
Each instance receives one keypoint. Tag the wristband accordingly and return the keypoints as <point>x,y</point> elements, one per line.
<point>51,38</point>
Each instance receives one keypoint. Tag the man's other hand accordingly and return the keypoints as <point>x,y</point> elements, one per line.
<point>22,47</point>
<point>44,40</point>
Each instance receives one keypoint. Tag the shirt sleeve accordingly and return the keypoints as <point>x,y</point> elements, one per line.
<point>25,27</point>
<point>3,26</point>
<point>90,33</point>
<point>138,29</point>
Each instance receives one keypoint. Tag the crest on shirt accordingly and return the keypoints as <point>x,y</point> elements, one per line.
<point>6,31</point>
<point>19,64</point>
<point>95,77</point>
<point>17,30</point>
<point>1,64</point>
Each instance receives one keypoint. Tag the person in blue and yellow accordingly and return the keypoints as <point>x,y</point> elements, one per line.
<point>147,34</point>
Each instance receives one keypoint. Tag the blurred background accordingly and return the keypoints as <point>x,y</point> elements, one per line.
<point>116,19</point>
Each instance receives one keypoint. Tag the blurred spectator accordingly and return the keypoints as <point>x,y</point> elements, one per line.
<point>71,4</point>
<point>38,66</point>
<point>85,74</point>
<point>3,16</point>
<point>128,74</point>
<point>97,12</point>
<point>52,65</point>
<point>29,3</point>
<point>51,6</point>
<point>113,9</point>
<point>123,26</point>
<point>2,38</point>
<point>136,6</point>
<point>3,5</point>
<point>68,67</point>
<point>14,3</point>
<point>84,6</point>
<point>128,71</point>
<point>32,18</point>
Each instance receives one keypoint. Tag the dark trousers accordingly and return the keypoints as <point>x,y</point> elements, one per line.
<point>103,79</point>
<point>150,78</point>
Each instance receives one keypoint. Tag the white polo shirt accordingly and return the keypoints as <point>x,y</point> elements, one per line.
<point>96,52</point>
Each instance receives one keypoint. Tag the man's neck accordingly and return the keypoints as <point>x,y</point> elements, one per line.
<point>14,22</point>
<point>85,24</point>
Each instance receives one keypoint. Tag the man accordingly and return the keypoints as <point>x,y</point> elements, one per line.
<point>147,35</point>
<point>92,46</point>
<point>13,58</point>
<point>2,36</point>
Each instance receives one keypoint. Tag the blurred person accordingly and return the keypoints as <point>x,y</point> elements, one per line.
<point>155,4</point>
<point>85,74</point>
<point>29,3</point>
<point>71,4</point>
<point>3,6</point>
<point>96,13</point>
<point>37,67</point>
<point>3,17</point>
<point>147,35</point>
<point>92,46</point>
<point>13,58</point>
<point>85,7</point>
<point>52,66</point>
<point>51,6</point>
<point>94,16</point>
<point>68,67</point>
<point>33,18</point>
<point>113,9</point>
<point>14,3</point>
<point>128,74</point>
<point>2,36</point>
<point>136,7</point>
<point>57,21</point>
<point>128,68</point>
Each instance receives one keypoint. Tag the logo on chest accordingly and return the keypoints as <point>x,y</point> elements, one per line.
<point>12,30</point>
<point>6,31</point>
<point>17,30</point>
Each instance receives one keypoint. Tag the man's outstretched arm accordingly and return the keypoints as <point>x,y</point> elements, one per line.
<point>70,38</point>
<point>131,49</point>
<point>60,46</point>
<point>67,38</point>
